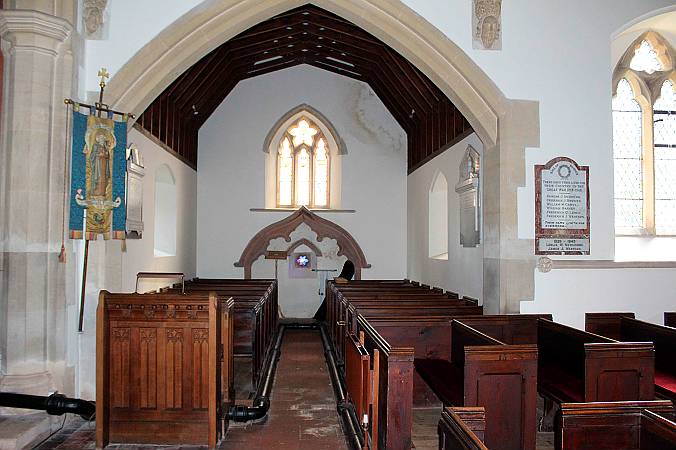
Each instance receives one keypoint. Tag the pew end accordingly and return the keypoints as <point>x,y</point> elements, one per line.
<point>462,428</point>
<point>619,371</point>
<point>637,425</point>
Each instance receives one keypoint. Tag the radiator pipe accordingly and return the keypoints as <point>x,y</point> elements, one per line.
<point>261,403</point>
<point>55,404</point>
<point>345,408</point>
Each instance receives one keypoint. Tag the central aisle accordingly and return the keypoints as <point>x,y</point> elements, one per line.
<point>303,411</point>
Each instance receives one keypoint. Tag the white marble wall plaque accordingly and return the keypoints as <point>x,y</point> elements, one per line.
<point>470,201</point>
<point>561,208</point>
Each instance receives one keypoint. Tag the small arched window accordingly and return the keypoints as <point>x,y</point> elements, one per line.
<point>165,212</point>
<point>644,139</point>
<point>303,166</point>
<point>438,218</point>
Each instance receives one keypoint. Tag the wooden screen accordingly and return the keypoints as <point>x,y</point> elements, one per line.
<point>163,368</point>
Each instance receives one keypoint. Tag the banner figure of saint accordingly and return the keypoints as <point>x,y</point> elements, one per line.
<point>98,177</point>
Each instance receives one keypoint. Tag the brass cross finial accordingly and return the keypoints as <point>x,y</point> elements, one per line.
<point>103,73</point>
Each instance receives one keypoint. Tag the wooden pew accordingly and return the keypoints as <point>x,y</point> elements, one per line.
<point>577,366</point>
<point>664,339</point>
<point>164,368</point>
<point>391,420</point>
<point>462,429</point>
<point>358,377</point>
<point>616,426</point>
<point>606,324</point>
<point>670,319</point>
<point>391,361</point>
<point>508,328</point>
<point>482,371</point>
<point>256,315</point>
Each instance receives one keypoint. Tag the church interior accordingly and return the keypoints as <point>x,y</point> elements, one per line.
<point>338,224</point>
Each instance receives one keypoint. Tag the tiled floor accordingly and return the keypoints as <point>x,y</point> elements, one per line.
<point>302,413</point>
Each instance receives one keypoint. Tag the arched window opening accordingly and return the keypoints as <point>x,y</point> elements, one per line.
<point>438,218</point>
<point>628,156</point>
<point>303,170</point>
<point>665,159</point>
<point>644,139</point>
<point>165,212</point>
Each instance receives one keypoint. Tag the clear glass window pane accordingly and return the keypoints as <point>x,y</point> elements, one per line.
<point>303,177</point>
<point>285,173</point>
<point>628,155</point>
<point>665,160</point>
<point>321,174</point>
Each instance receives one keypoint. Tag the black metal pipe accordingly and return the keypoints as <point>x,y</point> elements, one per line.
<point>261,403</point>
<point>345,408</point>
<point>55,404</point>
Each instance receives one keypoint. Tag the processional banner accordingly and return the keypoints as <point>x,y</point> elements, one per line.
<point>98,170</point>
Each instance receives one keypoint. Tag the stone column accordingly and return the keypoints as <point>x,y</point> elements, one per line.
<point>38,75</point>
<point>509,262</point>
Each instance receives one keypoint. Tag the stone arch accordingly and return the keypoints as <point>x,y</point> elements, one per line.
<point>258,245</point>
<point>214,22</point>
<point>506,257</point>
<point>316,250</point>
<point>320,119</point>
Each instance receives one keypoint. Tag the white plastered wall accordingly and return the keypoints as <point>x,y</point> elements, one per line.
<point>231,168</point>
<point>462,272</point>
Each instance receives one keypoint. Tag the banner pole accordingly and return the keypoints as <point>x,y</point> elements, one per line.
<point>84,282</point>
<point>103,73</point>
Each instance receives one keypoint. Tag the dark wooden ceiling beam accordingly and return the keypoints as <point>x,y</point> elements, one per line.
<point>307,35</point>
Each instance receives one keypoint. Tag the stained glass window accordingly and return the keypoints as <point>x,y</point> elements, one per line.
<point>628,155</point>
<point>665,159</point>
<point>303,170</point>
<point>645,59</point>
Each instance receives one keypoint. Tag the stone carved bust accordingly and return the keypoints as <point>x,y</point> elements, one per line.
<point>92,16</point>
<point>488,26</point>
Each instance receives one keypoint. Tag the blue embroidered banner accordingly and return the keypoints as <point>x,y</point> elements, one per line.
<point>98,170</point>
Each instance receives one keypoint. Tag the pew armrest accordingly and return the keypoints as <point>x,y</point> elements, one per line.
<point>462,428</point>
<point>619,371</point>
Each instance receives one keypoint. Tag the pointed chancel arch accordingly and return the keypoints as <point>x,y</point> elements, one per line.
<point>324,228</point>
<point>508,260</point>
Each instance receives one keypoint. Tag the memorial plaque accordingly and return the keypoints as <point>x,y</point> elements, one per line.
<point>561,208</point>
<point>468,191</point>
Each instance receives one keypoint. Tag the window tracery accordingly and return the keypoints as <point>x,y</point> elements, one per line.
<point>303,166</point>
<point>644,139</point>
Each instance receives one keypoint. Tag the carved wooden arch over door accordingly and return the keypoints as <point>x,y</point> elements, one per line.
<point>258,245</point>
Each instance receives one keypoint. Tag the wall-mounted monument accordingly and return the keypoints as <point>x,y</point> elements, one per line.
<point>135,173</point>
<point>561,208</point>
<point>470,200</point>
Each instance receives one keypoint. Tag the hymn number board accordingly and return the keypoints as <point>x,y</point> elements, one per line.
<point>561,208</point>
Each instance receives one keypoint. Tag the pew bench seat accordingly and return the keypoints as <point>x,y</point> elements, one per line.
<point>566,386</point>
<point>444,378</point>
<point>666,382</point>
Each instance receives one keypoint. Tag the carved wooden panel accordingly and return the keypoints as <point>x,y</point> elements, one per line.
<point>159,372</point>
